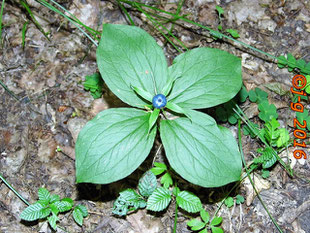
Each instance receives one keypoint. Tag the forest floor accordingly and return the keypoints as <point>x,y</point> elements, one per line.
<point>50,106</point>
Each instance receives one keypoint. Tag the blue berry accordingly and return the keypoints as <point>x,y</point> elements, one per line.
<point>159,101</point>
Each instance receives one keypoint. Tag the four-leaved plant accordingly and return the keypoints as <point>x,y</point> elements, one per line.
<point>113,144</point>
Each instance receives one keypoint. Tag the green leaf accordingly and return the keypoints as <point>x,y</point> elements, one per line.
<point>205,216</point>
<point>195,224</point>
<point>300,63</point>
<point>201,152</point>
<point>159,168</point>
<point>132,198</point>
<point>283,138</point>
<point>234,33</point>
<point>176,191</point>
<point>306,69</point>
<point>268,157</point>
<point>166,180</point>
<point>267,111</point>
<point>242,94</point>
<point>282,62</point>
<point>239,199</point>
<point>78,216</point>
<point>159,200</point>
<point>167,88</point>
<point>54,208</point>
<point>301,116</point>
<point>265,174</point>
<point>208,77</point>
<point>147,184</point>
<point>229,202</point>
<point>94,83</point>
<point>112,145</point>
<point>216,230</point>
<point>34,212</point>
<point>64,206</point>
<point>261,95</point>
<point>203,231</point>
<point>221,113</point>
<point>175,108</point>
<point>216,221</point>
<point>143,93</point>
<point>252,96</point>
<point>291,61</point>
<point>219,10</point>
<point>189,202</point>
<point>44,194</point>
<point>271,132</point>
<point>54,198</point>
<point>67,199</point>
<point>128,55</point>
<point>83,209</point>
<point>153,118</point>
<point>52,221</point>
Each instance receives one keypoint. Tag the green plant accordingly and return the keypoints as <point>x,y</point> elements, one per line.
<point>94,84</point>
<point>307,87</point>
<point>267,111</point>
<point>166,179</point>
<point>292,64</point>
<point>225,112</point>
<point>229,201</point>
<point>49,206</point>
<point>234,33</point>
<point>303,116</point>
<point>154,198</point>
<point>205,225</point>
<point>117,141</point>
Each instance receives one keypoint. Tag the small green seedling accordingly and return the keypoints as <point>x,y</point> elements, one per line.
<point>229,201</point>
<point>205,225</point>
<point>94,84</point>
<point>49,206</point>
<point>154,198</point>
<point>258,95</point>
<point>292,64</point>
<point>166,179</point>
<point>225,112</point>
<point>234,33</point>
<point>265,173</point>
<point>267,111</point>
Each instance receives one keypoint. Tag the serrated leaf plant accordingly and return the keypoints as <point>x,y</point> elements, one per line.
<point>206,225</point>
<point>49,206</point>
<point>114,144</point>
<point>154,198</point>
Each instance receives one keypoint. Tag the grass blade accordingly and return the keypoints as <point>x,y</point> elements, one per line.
<point>27,8</point>
<point>24,33</point>
<point>1,14</point>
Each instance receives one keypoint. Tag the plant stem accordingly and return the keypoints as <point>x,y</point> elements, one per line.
<point>175,213</point>
<point>252,183</point>
<point>126,13</point>
<point>156,23</point>
<point>1,13</point>
<point>13,190</point>
<point>8,90</point>
<point>178,17</point>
